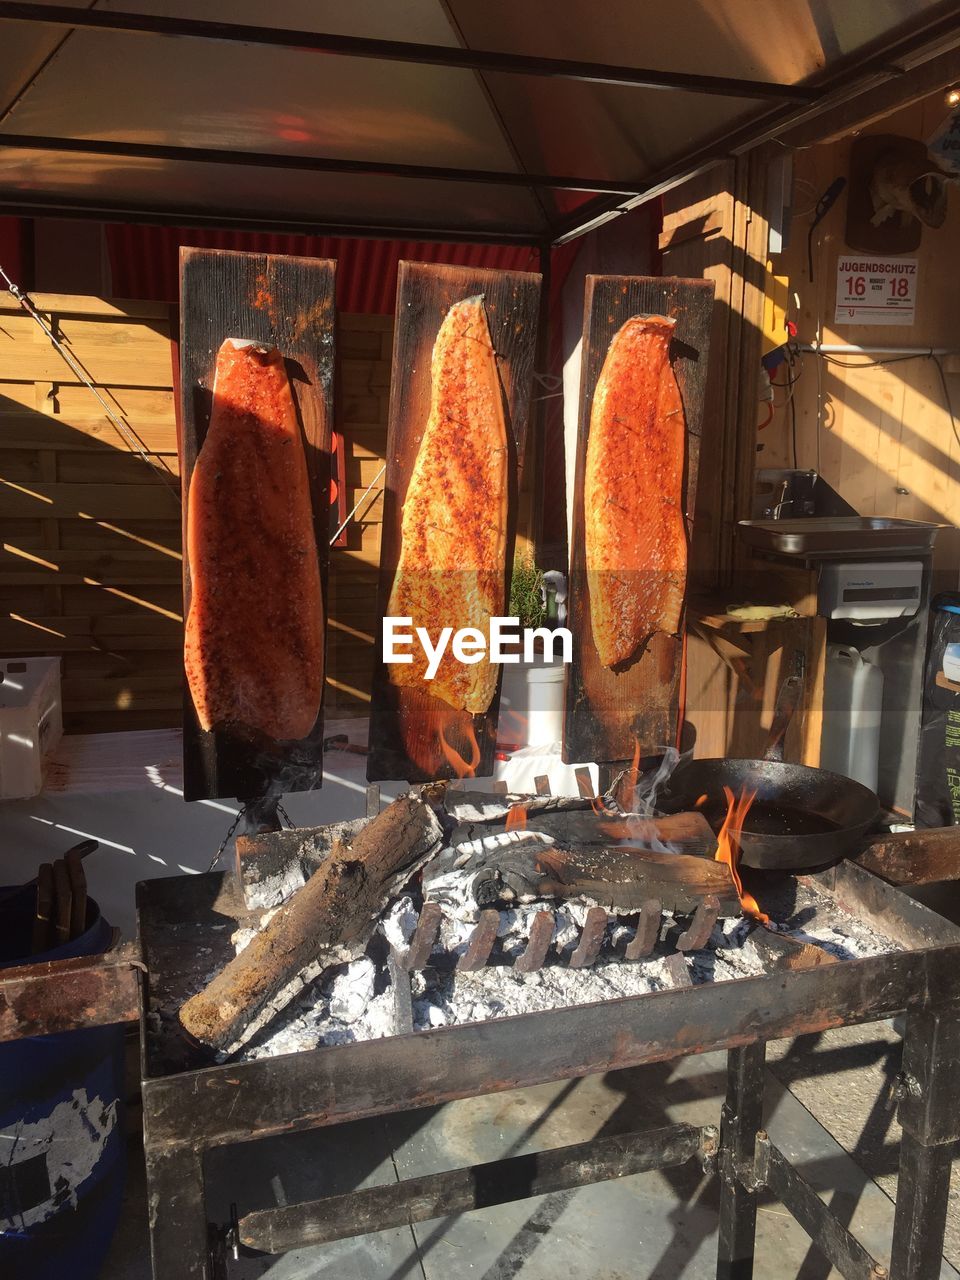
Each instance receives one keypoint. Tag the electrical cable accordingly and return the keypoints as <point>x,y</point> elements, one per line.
<point>871,361</point>
<point>822,208</point>
<point>875,363</point>
<point>947,401</point>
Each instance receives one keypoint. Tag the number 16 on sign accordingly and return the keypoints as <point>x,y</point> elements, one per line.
<point>876,290</point>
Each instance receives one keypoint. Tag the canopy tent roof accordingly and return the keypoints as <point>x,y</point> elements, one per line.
<point>526,121</point>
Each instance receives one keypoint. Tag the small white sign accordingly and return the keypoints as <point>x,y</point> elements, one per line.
<point>876,290</point>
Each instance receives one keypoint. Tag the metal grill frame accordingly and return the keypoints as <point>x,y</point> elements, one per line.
<point>188,1113</point>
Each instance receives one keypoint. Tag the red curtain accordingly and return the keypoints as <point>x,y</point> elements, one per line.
<point>143,260</point>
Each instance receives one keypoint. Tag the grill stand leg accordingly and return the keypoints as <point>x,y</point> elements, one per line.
<point>931,1124</point>
<point>177,1215</point>
<point>741,1120</point>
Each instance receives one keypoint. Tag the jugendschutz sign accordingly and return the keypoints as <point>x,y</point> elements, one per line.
<point>874,290</point>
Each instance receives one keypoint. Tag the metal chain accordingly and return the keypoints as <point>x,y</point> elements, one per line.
<point>223,843</point>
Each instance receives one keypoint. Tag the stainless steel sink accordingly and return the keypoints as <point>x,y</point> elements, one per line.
<point>840,537</point>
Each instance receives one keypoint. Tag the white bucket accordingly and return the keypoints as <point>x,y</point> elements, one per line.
<point>531,704</point>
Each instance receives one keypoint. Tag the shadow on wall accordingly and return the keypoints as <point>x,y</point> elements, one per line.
<point>90,562</point>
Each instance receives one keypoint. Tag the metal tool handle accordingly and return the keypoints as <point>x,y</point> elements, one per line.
<point>788,699</point>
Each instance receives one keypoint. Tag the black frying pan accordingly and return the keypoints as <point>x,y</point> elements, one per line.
<point>801,817</point>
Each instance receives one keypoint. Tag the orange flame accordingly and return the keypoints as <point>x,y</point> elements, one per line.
<point>701,801</point>
<point>516,818</point>
<point>461,767</point>
<point>728,847</point>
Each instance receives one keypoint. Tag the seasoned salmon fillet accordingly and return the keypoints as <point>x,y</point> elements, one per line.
<point>253,648</point>
<point>636,543</point>
<point>452,563</point>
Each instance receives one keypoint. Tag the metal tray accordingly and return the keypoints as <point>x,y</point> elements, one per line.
<point>836,537</point>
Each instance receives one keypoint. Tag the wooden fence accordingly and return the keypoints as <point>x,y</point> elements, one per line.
<point>91,551</point>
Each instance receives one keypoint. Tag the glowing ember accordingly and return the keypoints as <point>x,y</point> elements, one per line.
<point>462,768</point>
<point>728,847</point>
<point>516,818</point>
<point>701,801</point>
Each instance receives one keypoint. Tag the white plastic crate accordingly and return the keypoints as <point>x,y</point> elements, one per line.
<point>31,722</point>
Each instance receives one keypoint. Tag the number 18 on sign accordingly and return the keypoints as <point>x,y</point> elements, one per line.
<point>876,290</point>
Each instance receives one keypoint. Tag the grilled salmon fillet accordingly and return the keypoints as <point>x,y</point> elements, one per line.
<point>636,543</point>
<point>253,648</point>
<point>454,526</point>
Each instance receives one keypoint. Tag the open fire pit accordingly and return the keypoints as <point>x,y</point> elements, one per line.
<point>607,939</point>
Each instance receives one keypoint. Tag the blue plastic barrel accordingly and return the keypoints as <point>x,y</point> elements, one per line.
<point>62,1140</point>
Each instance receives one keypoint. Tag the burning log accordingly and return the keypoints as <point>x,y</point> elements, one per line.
<point>680,832</point>
<point>327,922</point>
<point>530,867</point>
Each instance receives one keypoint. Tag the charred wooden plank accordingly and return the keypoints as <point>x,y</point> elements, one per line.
<point>697,934</point>
<point>687,833</point>
<point>288,303</point>
<point>648,927</point>
<point>42,923</point>
<point>538,943</point>
<point>414,735</point>
<point>620,880</point>
<point>271,865</point>
<point>424,936</point>
<point>62,902</point>
<point>780,952</point>
<point>584,782</point>
<point>676,966</point>
<point>609,711</point>
<point>591,939</point>
<point>329,921</point>
<point>542,784</point>
<point>78,891</point>
<point>925,856</point>
<point>480,943</point>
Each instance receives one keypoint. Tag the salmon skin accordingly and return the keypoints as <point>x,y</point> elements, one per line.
<point>453,531</point>
<point>635,535</point>
<point>253,648</point>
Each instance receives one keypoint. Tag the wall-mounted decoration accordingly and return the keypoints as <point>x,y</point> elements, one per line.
<point>896,189</point>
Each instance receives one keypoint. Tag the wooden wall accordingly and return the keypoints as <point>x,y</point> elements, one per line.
<point>90,562</point>
<point>881,428</point>
<point>364,348</point>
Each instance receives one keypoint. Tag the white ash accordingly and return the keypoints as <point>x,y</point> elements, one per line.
<point>499,840</point>
<point>356,1002</point>
<point>338,1009</point>
<point>399,923</point>
<point>262,889</point>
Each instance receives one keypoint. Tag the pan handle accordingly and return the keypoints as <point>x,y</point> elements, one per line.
<point>788,699</point>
